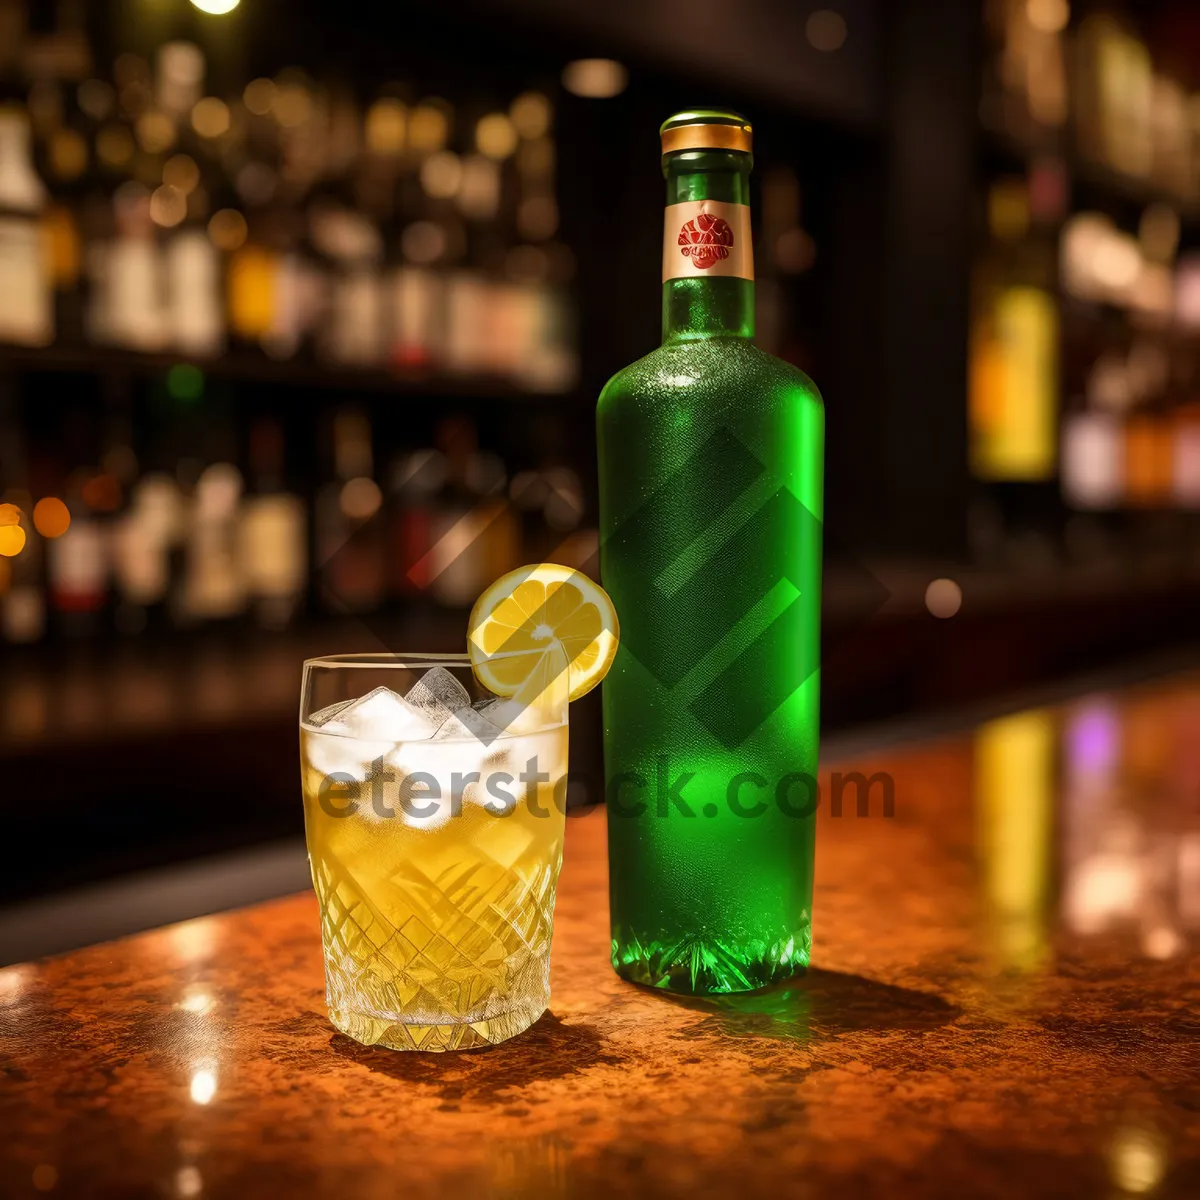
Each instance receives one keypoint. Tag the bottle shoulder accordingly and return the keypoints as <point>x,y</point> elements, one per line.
<point>710,367</point>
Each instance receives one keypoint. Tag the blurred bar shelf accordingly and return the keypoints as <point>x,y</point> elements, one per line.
<point>244,367</point>
<point>1016,152</point>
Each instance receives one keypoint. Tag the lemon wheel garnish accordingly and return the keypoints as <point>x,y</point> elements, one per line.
<point>524,614</point>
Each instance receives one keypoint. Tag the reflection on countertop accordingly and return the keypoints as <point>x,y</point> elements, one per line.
<point>1005,1001</point>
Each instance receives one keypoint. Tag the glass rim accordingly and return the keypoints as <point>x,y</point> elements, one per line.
<point>394,660</point>
<point>387,659</point>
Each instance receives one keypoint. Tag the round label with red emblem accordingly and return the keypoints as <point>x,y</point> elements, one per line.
<point>707,238</point>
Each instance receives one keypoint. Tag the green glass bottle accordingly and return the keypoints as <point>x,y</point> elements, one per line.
<point>711,478</point>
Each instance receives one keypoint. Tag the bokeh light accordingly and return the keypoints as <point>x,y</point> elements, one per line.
<point>168,206</point>
<point>12,540</point>
<point>228,229</point>
<point>595,78</point>
<point>386,127</point>
<point>180,171</point>
<point>51,517</point>
<point>259,96</point>
<point>216,8</point>
<point>360,498</point>
<point>155,132</point>
<point>210,117</point>
<point>531,114</point>
<point>496,136</point>
<point>826,30</point>
<point>943,598</point>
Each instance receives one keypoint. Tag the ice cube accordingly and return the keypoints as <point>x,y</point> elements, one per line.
<point>327,755</point>
<point>381,714</point>
<point>327,713</point>
<point>509,716</point>
<point>438,695</point>
<point>468,723</point>
<point>450,765</point>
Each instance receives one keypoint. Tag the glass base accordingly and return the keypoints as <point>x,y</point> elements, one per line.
<point>402,1035</point>
<point>698,966</point>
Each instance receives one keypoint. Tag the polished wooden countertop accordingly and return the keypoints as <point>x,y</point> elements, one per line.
<point>1005,1002</point>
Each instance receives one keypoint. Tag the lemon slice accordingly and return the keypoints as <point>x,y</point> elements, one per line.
<point>538,614</point>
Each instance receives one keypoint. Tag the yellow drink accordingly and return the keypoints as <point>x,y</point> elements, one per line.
<point>435,864</point>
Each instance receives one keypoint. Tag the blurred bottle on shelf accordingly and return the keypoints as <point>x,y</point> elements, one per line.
<point>22,588</point>
<point>458,555</point>
<point>214,587</point>
<point>1027,86</point>
<point>144,537</point>
<point>78,567</point>
<point>1014,341</point>
<point>273,547</point>
<point>416,480</point>
<point>391,236</point>
<point>26,285</point>
<point>1093,464</point>
<point>1186,456</point>
<point>350,541</point>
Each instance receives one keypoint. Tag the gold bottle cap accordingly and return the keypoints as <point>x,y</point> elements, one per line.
<point>706,129</point>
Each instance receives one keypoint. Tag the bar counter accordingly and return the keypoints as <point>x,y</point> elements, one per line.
<point>1005,1001</point>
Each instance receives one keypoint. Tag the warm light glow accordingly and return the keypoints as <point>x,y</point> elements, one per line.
<point>386,125</point>
<point>12,540</point>
<point>495,136</point>
<point>228,229</point>
<point>114,145</point>
<point>155,132</point>
<point>96,98</point>
<point>428,127</point>
<point>531,114</point>
<point>595,78</point>
<point>216,8</point>
<point>293,105</point>
<point>259,96</point>
<point>360,498</point>
<point>1014,387</point>
<point>189,1181</point>
<point>51,517</point>
<point>196,1001</point>
<point>1117,262</point>
<point>203,1086</point>
<point>1138,1161</point>
<point>826,30</point>
<point>1162,942</point>
<point>441,174</point>
<point>168,206</point>
<point>68,154</point>
<point>181,172</point>
<point>193,941</point>
<point>1158,231</point>
<point>10,514</point>
<point>1014,780</point>
<point>45,1177</point>
<point>537,217</point>
<point>423,242</point>
<point>943,598</point>
<point>12,983</point>
<point>1048,16</point>
<point>210,117</point>
<point>102,493</point>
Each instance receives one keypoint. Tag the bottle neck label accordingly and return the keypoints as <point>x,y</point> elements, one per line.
<point>707,238</point>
